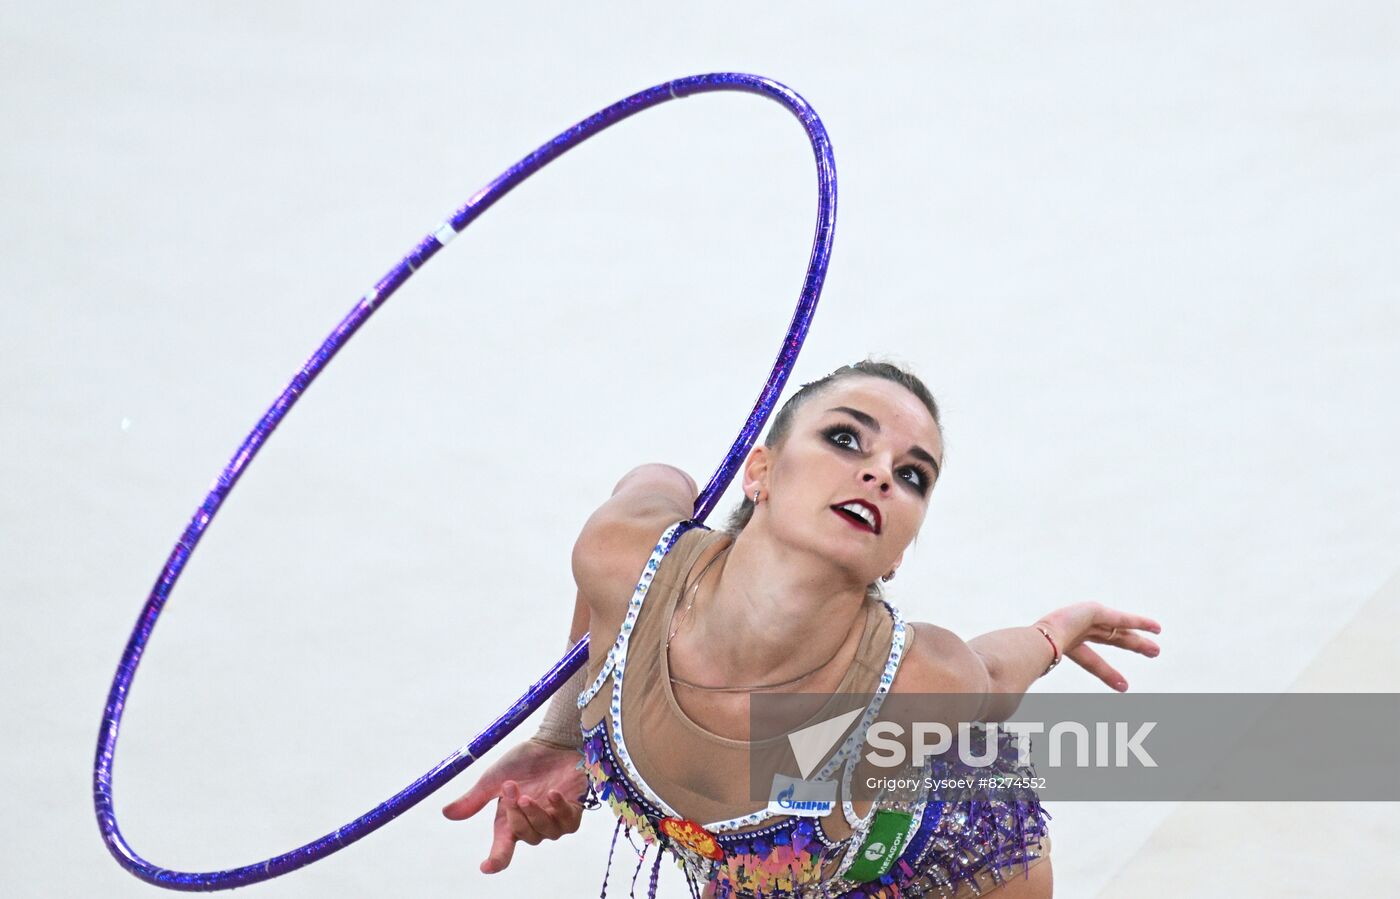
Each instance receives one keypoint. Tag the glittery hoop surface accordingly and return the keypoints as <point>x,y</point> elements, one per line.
<point>542,689</point>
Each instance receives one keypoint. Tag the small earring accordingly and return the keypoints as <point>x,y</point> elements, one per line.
<point>888,577</point>
<point>755,497</point>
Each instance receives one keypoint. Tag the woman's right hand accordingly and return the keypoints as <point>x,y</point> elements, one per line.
<point>536,785</point>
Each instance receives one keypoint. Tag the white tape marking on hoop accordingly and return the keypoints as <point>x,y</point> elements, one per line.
<point>445,233</point>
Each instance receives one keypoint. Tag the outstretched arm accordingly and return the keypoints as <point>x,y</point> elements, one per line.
<point>1016,657</point>
<point>535,782</point>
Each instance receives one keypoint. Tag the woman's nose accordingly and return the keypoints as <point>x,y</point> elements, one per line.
<point>872,476</point>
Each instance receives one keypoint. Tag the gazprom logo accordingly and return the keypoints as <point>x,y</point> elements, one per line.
<point>787,802</point>
<point>807,799</point>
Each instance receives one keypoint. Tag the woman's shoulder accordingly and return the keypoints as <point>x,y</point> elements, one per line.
<point>936,660</point>
<point>621,534</point>
<point>611,552</point>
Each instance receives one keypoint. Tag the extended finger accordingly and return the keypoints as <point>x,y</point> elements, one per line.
<point>1111,618</point>
<point>1094,663</point>
<point>470,802</point>
<point>521,825</point>
<point>1130,640</point>
<point>503,844</point>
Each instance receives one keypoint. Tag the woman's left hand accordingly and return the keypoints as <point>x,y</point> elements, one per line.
<point>1076,626</point>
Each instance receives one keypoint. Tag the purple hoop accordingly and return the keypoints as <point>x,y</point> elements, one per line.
<point>542,689</point>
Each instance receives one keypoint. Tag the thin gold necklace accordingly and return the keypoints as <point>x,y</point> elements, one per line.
<point>694,590</point>
<point>751,687</point>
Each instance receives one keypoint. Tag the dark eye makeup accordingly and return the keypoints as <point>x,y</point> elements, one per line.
<point>919,482</point>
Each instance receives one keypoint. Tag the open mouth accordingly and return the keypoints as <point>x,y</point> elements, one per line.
<point>860,515</point>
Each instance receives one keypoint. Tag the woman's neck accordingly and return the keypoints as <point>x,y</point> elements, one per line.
<point>773,612</point>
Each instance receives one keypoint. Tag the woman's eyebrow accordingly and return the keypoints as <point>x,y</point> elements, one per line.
<point>869,421</point>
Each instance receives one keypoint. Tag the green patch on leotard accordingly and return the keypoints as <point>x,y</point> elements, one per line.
<point>882,845</point>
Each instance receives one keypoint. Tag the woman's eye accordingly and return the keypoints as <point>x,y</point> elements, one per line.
<point>920,479</point>
<point>846,439</point>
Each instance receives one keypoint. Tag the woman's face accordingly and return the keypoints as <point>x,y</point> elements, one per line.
<point>853,478</point>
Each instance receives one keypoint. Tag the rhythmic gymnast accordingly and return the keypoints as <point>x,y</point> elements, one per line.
<point>786,599</point>
<point>794,605</point>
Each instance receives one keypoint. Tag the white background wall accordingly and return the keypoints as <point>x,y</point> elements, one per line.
<point>1144,255</point>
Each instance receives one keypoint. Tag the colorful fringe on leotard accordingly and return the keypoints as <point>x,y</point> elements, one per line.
<point>953,844</point>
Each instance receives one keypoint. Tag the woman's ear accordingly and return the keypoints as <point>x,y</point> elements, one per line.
<point>756,470</point>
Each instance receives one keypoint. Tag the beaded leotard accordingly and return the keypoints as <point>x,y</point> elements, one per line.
<point>764,853</point>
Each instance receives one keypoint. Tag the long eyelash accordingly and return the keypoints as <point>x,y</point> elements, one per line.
<point>830,434</point>
<point>925,478</point>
